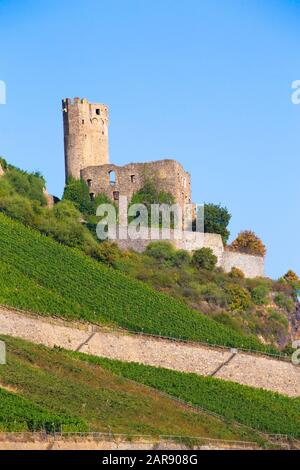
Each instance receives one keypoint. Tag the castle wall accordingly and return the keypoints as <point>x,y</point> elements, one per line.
<point>85,135</point>
<point>169,177</point>
<point>252,266</point>
<point>190,241</point>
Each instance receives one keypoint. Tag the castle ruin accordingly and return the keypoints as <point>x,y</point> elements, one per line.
<point>87,157</point>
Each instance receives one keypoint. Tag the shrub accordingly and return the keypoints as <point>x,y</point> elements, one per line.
<point>162,251</point>
<point>248,242</point>
<point>3,163</point>
<point>150,195</point>
<point>236,273</point>
<point>30,185</point>
<point>238,298</point>
<point>284,302</point>
<point>205,259</point>
<point>77,191</point>
<point>216,220</point>
<point>213,294</point>
<point>292,279</point>
<point>260,295</point>
<point>180,258</point>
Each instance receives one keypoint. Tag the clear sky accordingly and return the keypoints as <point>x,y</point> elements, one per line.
<point>207,82</point>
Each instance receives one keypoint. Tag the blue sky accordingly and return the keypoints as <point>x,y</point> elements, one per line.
<point>205,82</point>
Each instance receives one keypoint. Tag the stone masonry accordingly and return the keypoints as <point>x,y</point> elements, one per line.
<point>116,181</point>
<point>247,369</point>
<point>86,157</point>
<point>85,135</point>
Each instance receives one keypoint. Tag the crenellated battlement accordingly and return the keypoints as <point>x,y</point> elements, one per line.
<point>85,135</point>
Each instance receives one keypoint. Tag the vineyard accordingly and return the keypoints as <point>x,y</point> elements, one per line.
<point>54,391</point>
<point>260,409</point>
<point>39,274</point>
<point>20,414</point>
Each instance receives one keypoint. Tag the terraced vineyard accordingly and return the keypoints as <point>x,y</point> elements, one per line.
<point>260,409</point>
<point>39,274</point>
<point>42,388</point>
<point>21,414</point>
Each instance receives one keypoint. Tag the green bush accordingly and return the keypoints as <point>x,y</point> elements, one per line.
<point>204,259</point>
<point>212,293</point>
<point>30,185</point>
<point>77,191</point>
<point>260,294</point>
<point>181,258</point>
<point>162,251</point>
<point>284,302</point>
<point>238,298</point>
<point>150,195</point>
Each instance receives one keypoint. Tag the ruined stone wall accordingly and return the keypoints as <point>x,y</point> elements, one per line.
<point>252,266</point>
<point>116,181</point>
<point>85,135</point>
<point>189,241</point>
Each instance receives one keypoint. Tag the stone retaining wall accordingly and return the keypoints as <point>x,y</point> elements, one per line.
<point>247,369</point>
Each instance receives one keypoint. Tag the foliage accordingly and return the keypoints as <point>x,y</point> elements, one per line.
<point>216,220</point>
<point>150,195</point>
<point>204,259</point>
<point>284,302</point>
<point>260,409</point>
<point>77,191</point>
<point>161,251</point>
<point>21,414</point>
<point>236,273</point>
<point>292,279</point>
<point>259,295</point>
<point>100,293</point>
<point>238,298</point>
<point>248,242</point>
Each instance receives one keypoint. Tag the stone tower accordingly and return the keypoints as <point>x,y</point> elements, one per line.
<point>85,135</point>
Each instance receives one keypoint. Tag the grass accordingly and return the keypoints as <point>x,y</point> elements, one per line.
<point>39,274</point>
<point>260,409</point>
<point>52,383</point>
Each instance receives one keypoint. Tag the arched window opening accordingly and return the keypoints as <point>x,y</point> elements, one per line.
<point>116,195</point>
<point>112,177</point>
<point>89,183</point>
<point>92,196</point>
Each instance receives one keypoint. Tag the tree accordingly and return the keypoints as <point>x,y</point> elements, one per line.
<point>248,242</point>
<point>216,220</point>
<point>204,258</point>
<point>150,195</point>
<point>77,191</point>
<point>291,277</point>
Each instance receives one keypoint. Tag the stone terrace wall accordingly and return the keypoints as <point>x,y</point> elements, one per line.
<point>247,369</point>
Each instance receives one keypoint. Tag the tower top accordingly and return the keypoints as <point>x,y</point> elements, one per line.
<point>85,135</point>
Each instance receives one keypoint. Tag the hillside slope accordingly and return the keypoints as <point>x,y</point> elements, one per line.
<point>39,384</point>
<point>39,274</point>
